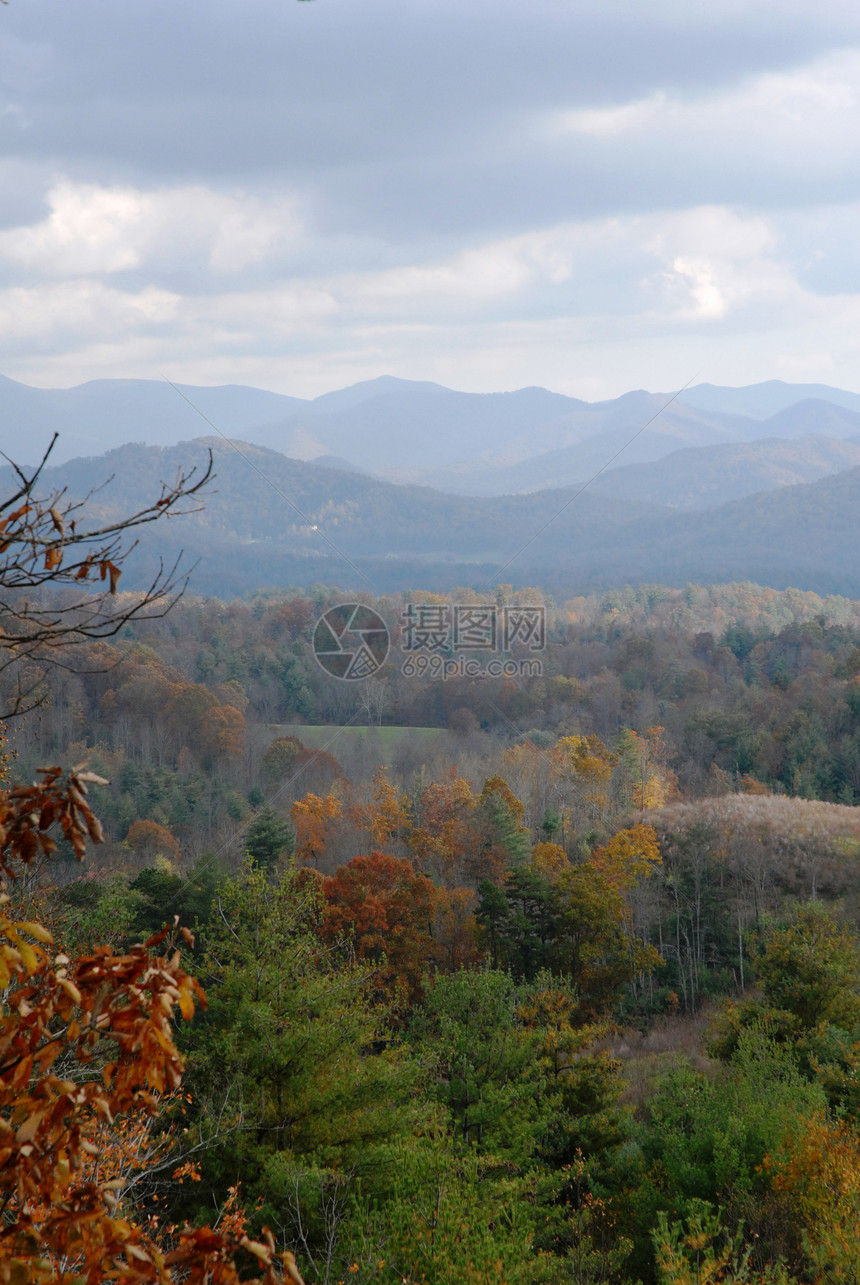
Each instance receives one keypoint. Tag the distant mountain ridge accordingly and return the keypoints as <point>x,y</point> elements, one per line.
<point>762,401</point>
<point>705,447</point>
<point>706,477</point>
<point>271,521</point>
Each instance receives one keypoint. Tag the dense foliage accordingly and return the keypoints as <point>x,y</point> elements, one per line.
<point>561,985</point>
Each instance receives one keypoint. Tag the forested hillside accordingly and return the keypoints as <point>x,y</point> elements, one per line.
<point>552,978</point>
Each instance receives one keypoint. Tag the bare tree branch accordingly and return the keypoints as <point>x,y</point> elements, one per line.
<point>59,575</point>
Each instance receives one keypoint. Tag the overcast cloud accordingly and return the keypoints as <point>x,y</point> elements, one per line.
<point>589,196</point>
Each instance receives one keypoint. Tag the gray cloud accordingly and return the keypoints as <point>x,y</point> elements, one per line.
<point>335,188</point>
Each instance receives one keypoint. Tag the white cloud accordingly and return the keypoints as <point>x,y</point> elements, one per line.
<point>79,310</point>
<point>106,230</point>
<point>611,122</point>
<point>812,110</point>
<point>221,283</point>
<point>719,261</point>
<point>586,307</point>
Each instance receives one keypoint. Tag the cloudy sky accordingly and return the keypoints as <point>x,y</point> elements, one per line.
<point>591,195</point>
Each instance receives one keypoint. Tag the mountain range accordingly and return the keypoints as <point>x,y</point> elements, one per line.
<point>270,521</point>
<point>391,483</point>
<point>472,443</point>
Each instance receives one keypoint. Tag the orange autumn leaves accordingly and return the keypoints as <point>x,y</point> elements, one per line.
<point>409,905</point>
<point>448,831</point>
<point>86,1054</point>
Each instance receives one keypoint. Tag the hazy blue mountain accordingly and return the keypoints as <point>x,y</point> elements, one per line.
<point>105,413</point>
<point>344,398</point>
<point>702,478</point>
<point>761,401</point>
<point>407,431</point>
<point>797,536</point>
<point>814,416</point>
<point>492,443</point>
<point>622,435</point>
<point>335,461</point>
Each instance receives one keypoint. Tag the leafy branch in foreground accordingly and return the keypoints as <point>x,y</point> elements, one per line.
<point>86,1045</point>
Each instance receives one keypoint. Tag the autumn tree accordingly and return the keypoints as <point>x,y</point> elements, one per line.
<point>386,817</point>
<point>148,840</point>
<point>565,788</point>
<point>581,768</point>
<point>387,912</point>
<point>820,1174</point>
<point>314,819</point>
<point>442,836</point>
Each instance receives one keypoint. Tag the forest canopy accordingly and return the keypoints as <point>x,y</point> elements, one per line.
<point>555,991</point>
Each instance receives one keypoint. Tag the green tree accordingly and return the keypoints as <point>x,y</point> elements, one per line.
<point>294,1059</point>
<point>449,1218</point>
<point>716,1139</point>
<point>809,970</point>
<point>486,1065</point>
<point>269,837</point>
<point>699,1250</point>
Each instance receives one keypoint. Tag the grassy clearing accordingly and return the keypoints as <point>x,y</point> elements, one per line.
<point>648,1057</point>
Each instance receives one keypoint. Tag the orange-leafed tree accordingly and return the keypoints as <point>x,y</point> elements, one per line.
<point>149,840</point>
<point>550,859</point>
<point>455,928</point>
<point>386,816</point>
<point>821,1178</point>
<point>387,912</point>
<point>314,818</point>
<point>444,834</point>
<point>87,1053</point>
<point>629,857</point>
<point>222,734</point>
<point>581,767</point>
